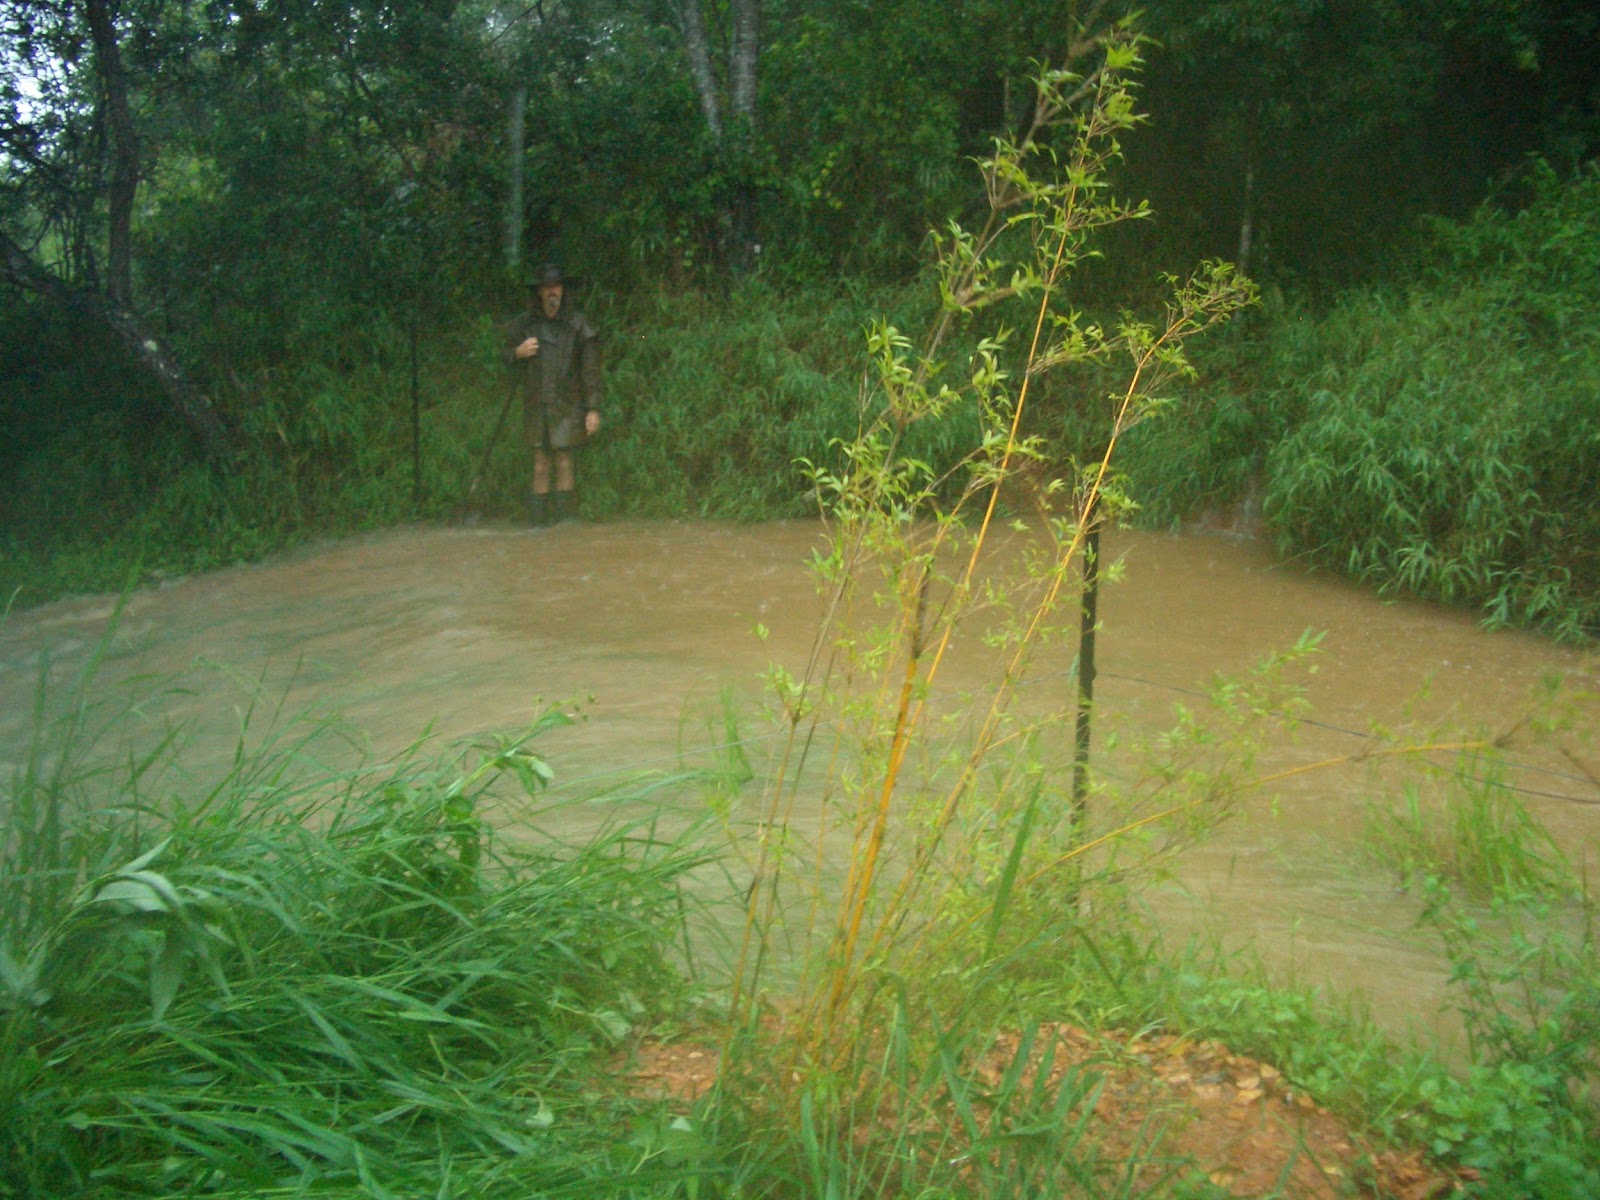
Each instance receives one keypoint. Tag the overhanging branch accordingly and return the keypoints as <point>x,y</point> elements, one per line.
<point>187,401</point>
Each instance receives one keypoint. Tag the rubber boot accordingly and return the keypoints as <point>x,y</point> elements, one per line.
<point>565,507</point>
<point>538,509</point>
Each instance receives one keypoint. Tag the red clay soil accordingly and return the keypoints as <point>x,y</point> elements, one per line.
<point>1235,1118</point>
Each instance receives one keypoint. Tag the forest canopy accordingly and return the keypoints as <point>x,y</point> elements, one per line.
<point>246,157</point>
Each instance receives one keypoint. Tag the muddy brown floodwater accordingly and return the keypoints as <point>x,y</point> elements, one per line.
<point>455,631</point>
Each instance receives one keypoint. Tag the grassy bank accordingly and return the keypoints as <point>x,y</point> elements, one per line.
<point>286,980</point>
<point>1437,435</point>
<point>361,982</point>
<point>383,980</point>
<point>710,404</point>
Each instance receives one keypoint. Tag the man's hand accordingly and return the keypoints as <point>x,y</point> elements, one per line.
<point>528,348</point>
<point>591,422</point>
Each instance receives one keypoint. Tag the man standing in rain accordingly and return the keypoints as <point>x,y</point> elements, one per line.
<point>557,352</point>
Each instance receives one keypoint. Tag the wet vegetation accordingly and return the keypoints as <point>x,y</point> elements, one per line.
<point>383,981</point>
<point>1435,436</point>
<point>308,973</point>
<point>286,979</point>
<point>253,263</point>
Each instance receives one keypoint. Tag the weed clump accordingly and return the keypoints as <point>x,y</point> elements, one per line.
<point>293,982</point>
<point>1434,435</point>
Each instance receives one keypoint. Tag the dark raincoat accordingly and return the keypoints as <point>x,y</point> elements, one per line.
<point>560,383</point>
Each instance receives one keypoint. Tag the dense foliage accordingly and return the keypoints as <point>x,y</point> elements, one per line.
<point>278,979</point>
<point>346,983</point>
<point>251,254</point>
<point>1439,436</point>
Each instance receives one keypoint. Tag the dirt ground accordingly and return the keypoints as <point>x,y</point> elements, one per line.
<point>1234,1118</point>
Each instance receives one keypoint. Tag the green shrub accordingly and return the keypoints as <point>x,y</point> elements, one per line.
<point>1465,826</point>
<point>1527,975</point>
<point>293,981</point>
<point>1439,437</point>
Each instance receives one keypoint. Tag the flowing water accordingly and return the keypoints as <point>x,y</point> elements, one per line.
<point>651,629</point>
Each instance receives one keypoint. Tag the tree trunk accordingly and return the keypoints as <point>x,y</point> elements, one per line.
<point>1247,217</point>
<point>692,22</point>
<point>744,55</point>
<point>118,117</point>
<point>1088,620</point>
<point>731,121</point>
<point>1248,201</point>
<point>187,401</point>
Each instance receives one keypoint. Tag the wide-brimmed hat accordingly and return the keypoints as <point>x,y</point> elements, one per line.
<point>545,275</point>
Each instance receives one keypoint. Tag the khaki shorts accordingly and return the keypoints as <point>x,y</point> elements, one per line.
<point>552,427</point>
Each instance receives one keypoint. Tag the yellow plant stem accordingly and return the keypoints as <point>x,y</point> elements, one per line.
<point>908,717</point>
<point>906,890</point>
<point>856,896</point>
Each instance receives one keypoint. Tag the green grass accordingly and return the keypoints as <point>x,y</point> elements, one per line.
<point>713,402</point>
<point>297,980</point>
<point>303,977</point>
<point>1434,435</point>
<point>710,403</point>
<point>933,1110</point>
<point>1476,836</point>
